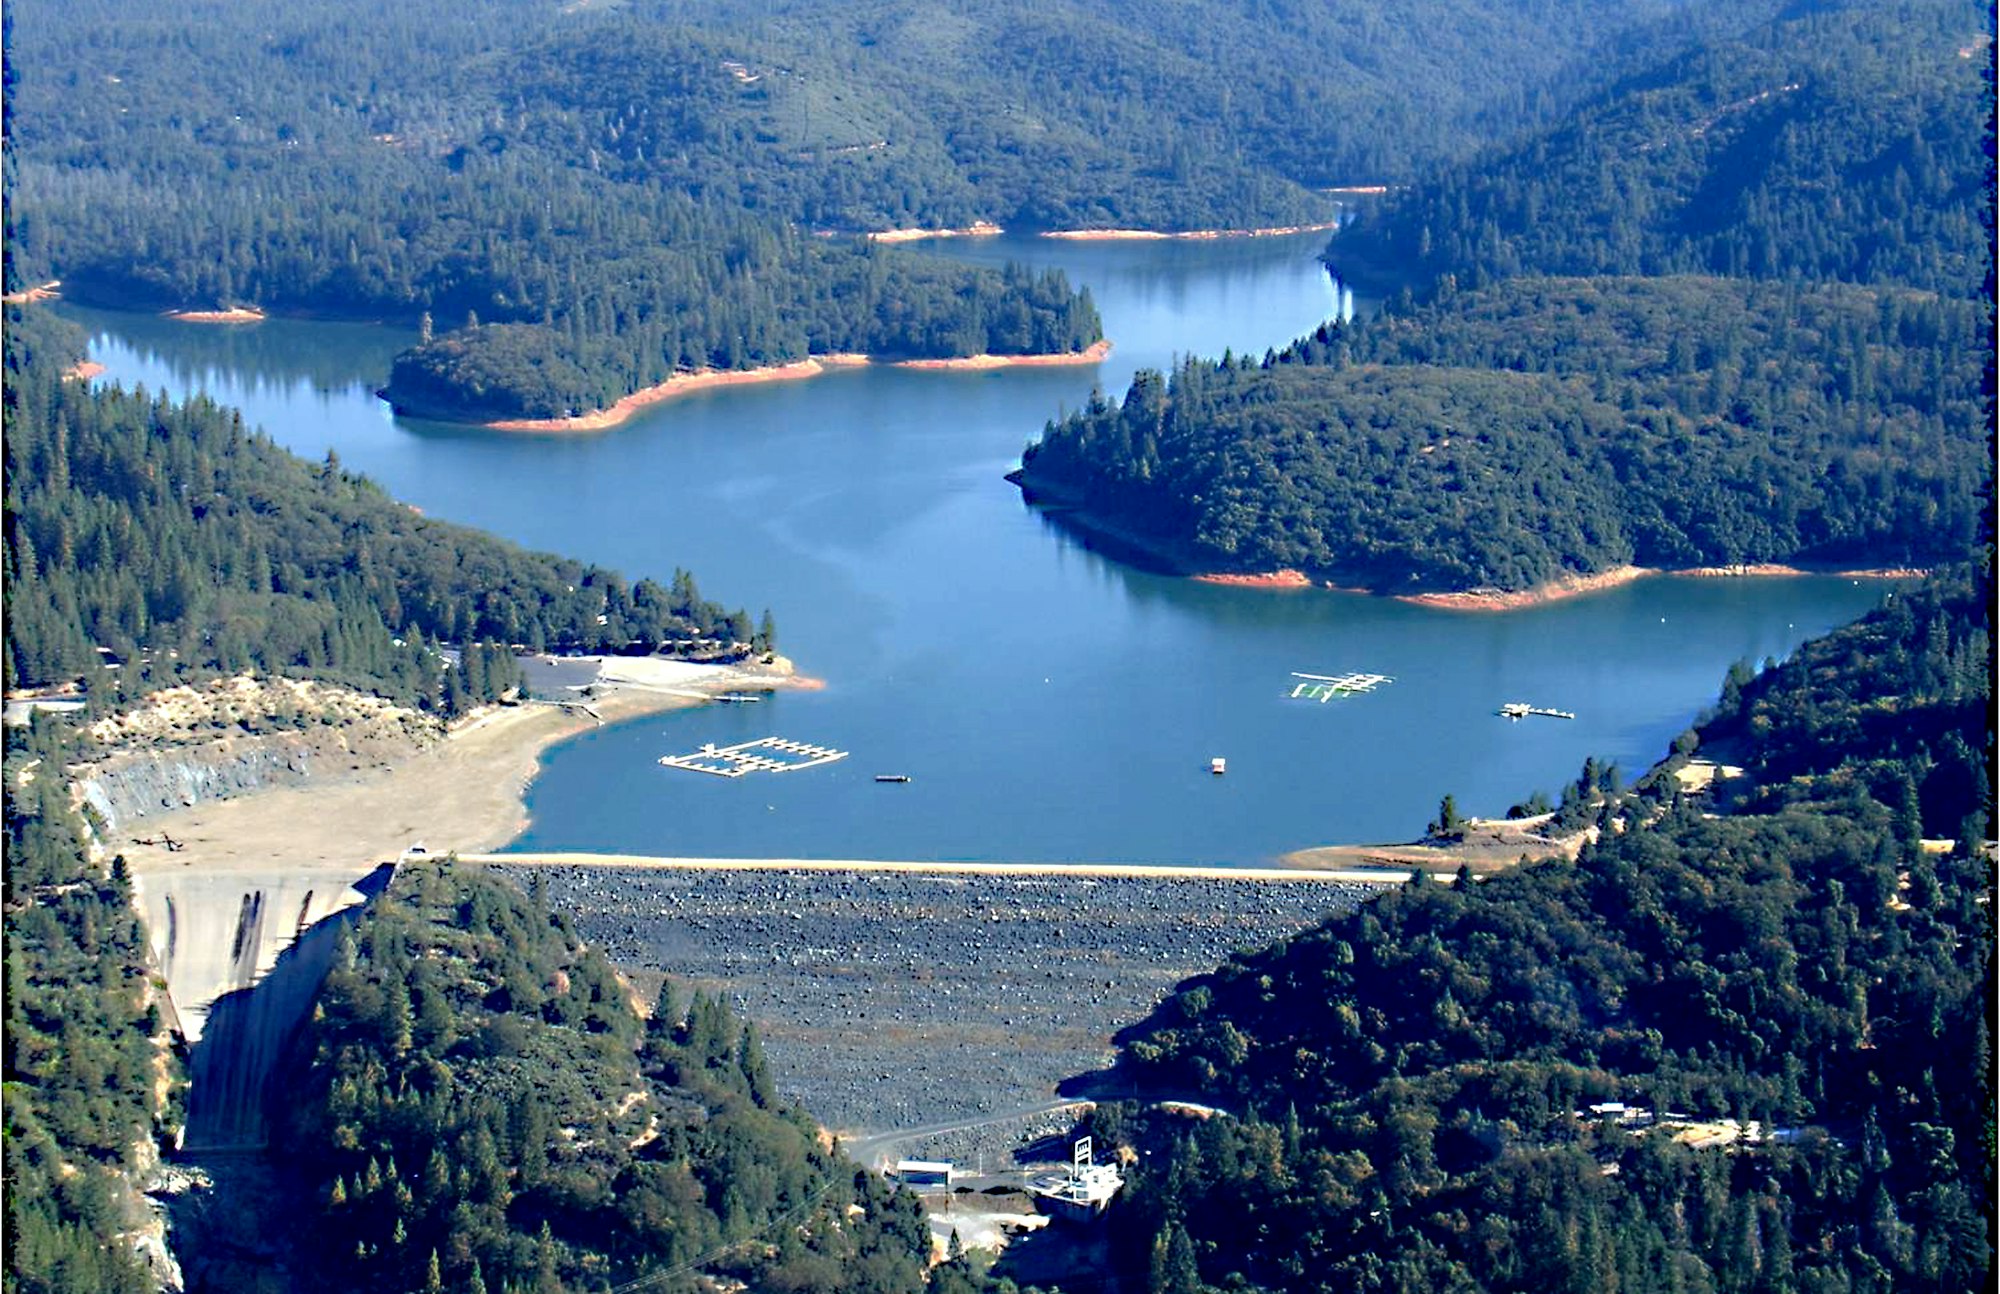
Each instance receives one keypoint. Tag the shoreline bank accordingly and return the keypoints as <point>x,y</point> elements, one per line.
<point>1186,235</point>
<point>464,792</point>
<point>684,383</point>
<point>1489,845</point>
<point>233,315</point>
<point>1618,576</point>
<point>1149,554</point>
<point>977,229</point>
<point>49,291</point>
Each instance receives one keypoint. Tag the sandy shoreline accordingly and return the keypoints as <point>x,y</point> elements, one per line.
<point>683,383</point>
<point>977,229</point>
<point>1554,591</point>
<point>45,292</point>
<point>463,793</point>
<point>1284,579</point>
<point>233,315</point>
<point>1091,354</point>
<point>1489,845</point>
<point>1617,576</point>
<point>679,384</point>
<point>1562,589</point>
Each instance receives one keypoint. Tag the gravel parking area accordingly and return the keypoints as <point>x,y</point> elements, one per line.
<point>892,1000</point>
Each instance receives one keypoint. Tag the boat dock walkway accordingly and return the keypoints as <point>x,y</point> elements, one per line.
<point>1325,687</point>
<point>1521,710</point>
<point>746,757</point>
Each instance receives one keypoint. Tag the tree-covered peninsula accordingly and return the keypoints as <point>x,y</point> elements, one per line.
<point>1741,1044</point>
<point>1538,428</point>
<point>1560,395</point>
<point>184,544</point>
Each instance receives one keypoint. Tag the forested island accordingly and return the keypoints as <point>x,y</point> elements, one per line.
<point>1585,383</point>
<point>1742,1043</point>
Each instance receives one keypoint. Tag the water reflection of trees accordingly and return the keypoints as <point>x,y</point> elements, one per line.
<point>277,354</point>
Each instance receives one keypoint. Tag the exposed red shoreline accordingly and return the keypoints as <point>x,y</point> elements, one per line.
<point>683,383</point>
<point>233,315</point>
<point>1516,599</point>
<point>1091,354</point>
<point>1285,579</point>
<point>1563,589</point>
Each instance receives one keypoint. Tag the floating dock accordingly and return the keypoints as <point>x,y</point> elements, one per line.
<point>1325,687</point>
<point>1521,710</point>
<point>749,757</point>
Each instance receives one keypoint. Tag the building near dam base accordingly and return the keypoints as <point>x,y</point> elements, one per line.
<point>1084,1192</point>
<point>924,1174</point>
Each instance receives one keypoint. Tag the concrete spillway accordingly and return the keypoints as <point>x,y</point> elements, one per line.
<point>243,954</point>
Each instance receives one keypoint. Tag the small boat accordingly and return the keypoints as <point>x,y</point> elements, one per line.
<point>739,698</point>
<point>1218,766</point>
<point>892,777</point>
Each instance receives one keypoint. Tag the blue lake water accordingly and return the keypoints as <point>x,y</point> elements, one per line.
<point>1046,702</point>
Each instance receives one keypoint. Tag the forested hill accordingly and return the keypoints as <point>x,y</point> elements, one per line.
<point>92,1092</point>
<point>1850,142</point>
<point>1540,427</point>
<point>1710,320</point>
<point>1738,1045</point>
<point>478,1106</point>
<point>186,544</point>
<point>636,189</point>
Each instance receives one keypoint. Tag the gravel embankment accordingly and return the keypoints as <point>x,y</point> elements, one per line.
<point>891,1000</point>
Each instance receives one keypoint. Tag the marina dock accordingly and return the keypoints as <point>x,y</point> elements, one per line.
<point>749,757</point>
<point>1325,687</point>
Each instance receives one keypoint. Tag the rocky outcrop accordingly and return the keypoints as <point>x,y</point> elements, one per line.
<point>133,787</point>
<point>184,745</point>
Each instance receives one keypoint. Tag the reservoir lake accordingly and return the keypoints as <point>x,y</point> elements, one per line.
<point>1046,702</point>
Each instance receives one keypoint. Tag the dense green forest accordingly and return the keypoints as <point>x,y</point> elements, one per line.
<point>1416,1080</point>
<point>641,189</point>
<point>187,545</point>
<point>1563,395</point>
<point>1848,142</point>
<point>878,302</point>
<point>478,1105</point>
<point>80,1029</point>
